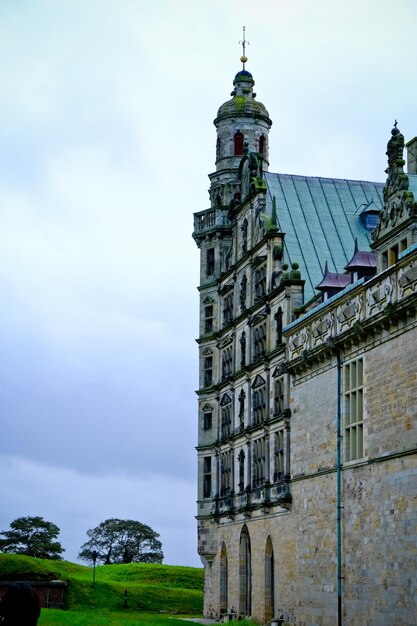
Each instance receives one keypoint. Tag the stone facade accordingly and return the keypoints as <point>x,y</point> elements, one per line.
<point>307,489</point>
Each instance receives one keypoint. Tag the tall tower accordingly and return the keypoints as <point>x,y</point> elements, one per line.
<point>241,123</point>
<point>226,268</point>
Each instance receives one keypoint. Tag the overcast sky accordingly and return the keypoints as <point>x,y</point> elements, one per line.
<point>106,140</point>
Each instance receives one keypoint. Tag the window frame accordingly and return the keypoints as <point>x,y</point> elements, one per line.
<point>353,410</point>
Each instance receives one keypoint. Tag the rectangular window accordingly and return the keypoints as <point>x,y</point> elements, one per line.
<point>279,468</point>
<point>226,463</point>
<point>207,420</point>
<point>393,255</point>
<point>208,371</point>
<point>228,308</point>
<point>226,420</point>
<point>210,262</point>
<point>259,340</point>
<point>208,318</point>
<point>278,396</point>
<point>258,462</point>
<point>260,282</point>
<point>259,404</point>
<point>353,410</point>
<point>227,362</point>
<point>207,477</point>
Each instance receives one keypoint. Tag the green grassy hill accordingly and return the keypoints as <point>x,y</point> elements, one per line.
<point>150,588</point>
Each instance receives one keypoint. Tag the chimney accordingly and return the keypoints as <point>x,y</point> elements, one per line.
<point>412,156</point>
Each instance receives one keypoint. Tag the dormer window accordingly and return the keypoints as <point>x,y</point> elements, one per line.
<point>238,144</point>
<point>370,220</point>
<point>370,215</point>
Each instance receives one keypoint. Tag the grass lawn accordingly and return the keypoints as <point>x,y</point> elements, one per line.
<point>156,594</point>
<point>54,617</point>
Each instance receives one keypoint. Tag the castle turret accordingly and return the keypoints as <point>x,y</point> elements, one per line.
<point>241,123</point>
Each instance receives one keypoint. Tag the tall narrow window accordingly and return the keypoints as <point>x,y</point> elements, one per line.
<point>269,581</point>
<point>228,307</point>
<point>210,262</point>
<point>258,462</point>
<point>226,464</point>
<point>278,395</point>
<point>207,419</point>
<point>208,318</point>
<point>261,144</point>
<point>208,371</point>
<point>238,144</point>
<point>245,574</point>
<point>279,467</point>
<point>259,400</point>
<point>259,340</point>
<point>207,477</point>
<point>353,410</point>
<point>226,416</point>
<point>224,583</point>
<point>227,362</point>
<point>260,282</point>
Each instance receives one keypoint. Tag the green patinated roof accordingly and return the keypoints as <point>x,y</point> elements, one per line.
<point>321,220</point>
<point>241,105</point>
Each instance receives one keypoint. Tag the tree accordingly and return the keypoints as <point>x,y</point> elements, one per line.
<point>32,536</point>
<point>122,541</point>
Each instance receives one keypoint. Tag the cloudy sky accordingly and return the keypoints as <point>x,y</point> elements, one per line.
<point>106,140</point>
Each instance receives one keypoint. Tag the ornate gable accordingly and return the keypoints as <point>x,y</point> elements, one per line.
<point>400,206</point>
<point>258,382</point>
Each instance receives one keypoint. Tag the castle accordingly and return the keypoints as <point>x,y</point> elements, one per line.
<point>307,401</point>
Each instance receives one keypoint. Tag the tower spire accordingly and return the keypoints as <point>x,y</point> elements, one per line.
<point>243,43</point>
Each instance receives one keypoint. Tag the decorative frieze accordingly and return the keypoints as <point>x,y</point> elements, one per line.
<point>351,312</point>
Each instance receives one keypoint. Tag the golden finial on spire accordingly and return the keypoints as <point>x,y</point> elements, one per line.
<point>243,42</point>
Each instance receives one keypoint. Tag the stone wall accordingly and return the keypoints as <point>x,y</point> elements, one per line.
<point>51,593</point>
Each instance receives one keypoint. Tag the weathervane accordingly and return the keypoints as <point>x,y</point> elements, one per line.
<point>243,42</point>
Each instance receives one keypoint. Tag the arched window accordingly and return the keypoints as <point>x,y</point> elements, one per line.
<point>245,574</point>
<point>269,581</point>
<point>238,144</point>
<point>224,583</point>
<point>261,144</point>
